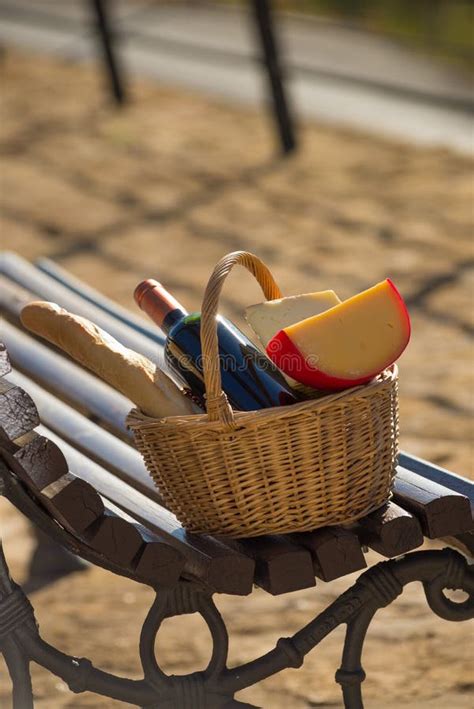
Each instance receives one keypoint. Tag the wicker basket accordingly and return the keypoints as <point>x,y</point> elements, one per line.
<point>293,468</point>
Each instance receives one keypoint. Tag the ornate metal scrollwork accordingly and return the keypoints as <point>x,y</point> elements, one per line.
<point>214,687</point>
<point>189,690</point>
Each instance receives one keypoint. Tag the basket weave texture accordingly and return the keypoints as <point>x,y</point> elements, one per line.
<point>320,462</point>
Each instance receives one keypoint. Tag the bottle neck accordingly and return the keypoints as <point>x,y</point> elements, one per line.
<point>173,317</point>
<point>158,304</point>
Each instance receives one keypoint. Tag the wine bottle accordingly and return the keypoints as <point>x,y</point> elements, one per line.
<point>249,378</point>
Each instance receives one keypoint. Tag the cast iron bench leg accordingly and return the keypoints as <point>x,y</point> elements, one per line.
<point>215,687</point>
<point>14,611</point>
<point>275,75</point>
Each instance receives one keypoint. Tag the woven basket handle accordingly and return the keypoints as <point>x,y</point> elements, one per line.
<point>218,408</point>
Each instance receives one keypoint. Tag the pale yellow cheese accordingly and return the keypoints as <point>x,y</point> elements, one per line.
<point>356,337</point>
<point>266,319</point>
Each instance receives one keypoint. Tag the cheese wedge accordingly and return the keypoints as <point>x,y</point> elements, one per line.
<point>347,345</point>
<point>266,319</point>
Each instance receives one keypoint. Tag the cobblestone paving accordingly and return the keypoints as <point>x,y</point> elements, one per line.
<point>167,186</point>
<point>164,189</point>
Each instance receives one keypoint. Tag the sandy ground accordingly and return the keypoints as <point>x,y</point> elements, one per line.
<point>164,189</point>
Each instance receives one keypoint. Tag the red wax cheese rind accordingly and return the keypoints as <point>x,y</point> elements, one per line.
<point>348,344</point>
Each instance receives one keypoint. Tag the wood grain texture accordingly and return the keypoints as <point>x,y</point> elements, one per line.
<point>280,565</point>
<point>13,297</point>
<point>432,472</point>
<point>155,562</point>
<point>39,461</point>
<point>158,563</point>
<point>390,530</point>
<point>335,551</point>
<point>115,538</point>
<point>73,502</point>
<point>76,505</point>
<point>41,466</point>
<point>5,365</point>
<point>440,511</point>
<point>18,413</point>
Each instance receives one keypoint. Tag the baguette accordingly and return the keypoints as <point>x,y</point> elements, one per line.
<point>153,391</point>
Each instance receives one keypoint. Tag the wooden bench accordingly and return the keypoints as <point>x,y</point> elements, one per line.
<point>67,463</point>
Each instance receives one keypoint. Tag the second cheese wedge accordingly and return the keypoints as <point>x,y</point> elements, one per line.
<point>348,344</point>
<point>266,319</point>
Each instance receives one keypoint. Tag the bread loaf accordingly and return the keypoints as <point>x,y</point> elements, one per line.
<point>129,372</point>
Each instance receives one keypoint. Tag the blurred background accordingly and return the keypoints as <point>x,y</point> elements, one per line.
<point>334,139</point>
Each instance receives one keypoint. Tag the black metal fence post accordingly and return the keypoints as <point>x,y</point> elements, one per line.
<point>271,58</point>
<point>110,56</point>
